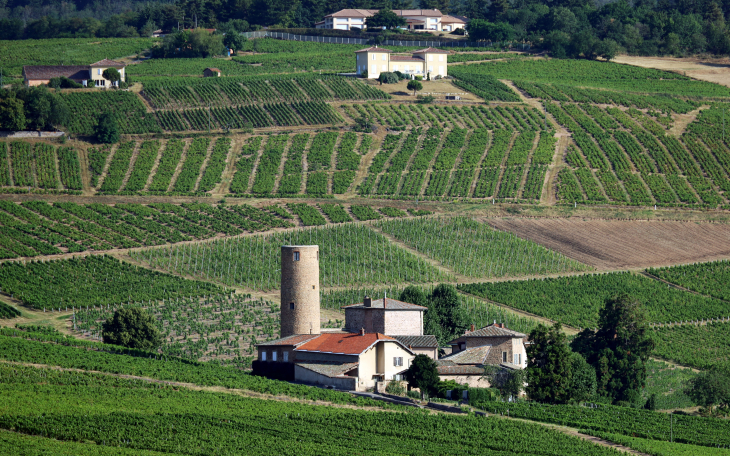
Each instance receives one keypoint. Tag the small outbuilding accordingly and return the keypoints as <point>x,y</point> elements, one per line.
<point>211,73</point>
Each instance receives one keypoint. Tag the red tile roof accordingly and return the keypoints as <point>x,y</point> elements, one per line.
<point>346,344</point>
<point>372,12</point>
<point>106,63</point>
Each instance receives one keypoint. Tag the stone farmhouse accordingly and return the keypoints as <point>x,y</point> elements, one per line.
<point>380,338</point>
<point>492,345</point>
<point>425,20</point>
<point>35,75</point>
<point>371,61</point>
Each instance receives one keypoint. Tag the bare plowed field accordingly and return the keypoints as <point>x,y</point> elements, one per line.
<point>624,244</point>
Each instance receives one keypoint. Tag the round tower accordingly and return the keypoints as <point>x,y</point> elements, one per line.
<point>299,289</point>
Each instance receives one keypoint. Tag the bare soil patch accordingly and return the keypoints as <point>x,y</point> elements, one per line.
<point>438,88</point>
<point>619,244</point>
<point>711,70</point>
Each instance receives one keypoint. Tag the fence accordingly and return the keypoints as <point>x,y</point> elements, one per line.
<point>424,44</point>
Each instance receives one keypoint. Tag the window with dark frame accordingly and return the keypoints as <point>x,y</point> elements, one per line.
<point>296,256</point>
<point>291,305</point>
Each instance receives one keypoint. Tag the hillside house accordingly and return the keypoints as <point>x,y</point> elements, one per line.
<point>492,345</point>
<point>212,73</point>
<point>425,20</point>
<point>35,75</point>
<point>371,61</point>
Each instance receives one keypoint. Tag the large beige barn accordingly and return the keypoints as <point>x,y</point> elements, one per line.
<point>35,75</point>
<point>372,61</point>
<point>380,338</point>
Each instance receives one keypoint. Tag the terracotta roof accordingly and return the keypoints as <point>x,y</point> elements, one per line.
<point>431,50</point>
<point>419,12</point>
<point>449,19</point>
<point>346,344</point>
<point>107,63</point>
<point>78,72</point>
<point>329,369</point>
<point>404,58</point>
<point>459,370</point>
<point>295,340</point>
<point>213,69</point>
<point>476,355</point>
<point>373,49</point>
<point>418,341</point>
<point>390,304</point>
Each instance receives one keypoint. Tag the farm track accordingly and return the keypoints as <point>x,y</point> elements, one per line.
<point>610,245</point>
<point>179,167</point>
<point>130,168</point>
<point>155,165</point>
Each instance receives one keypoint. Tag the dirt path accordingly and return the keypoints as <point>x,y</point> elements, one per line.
<point>682,120</point>
<point>711,70</point>
<point>105,171</point>
<point>204,165</point>
<point>229,170</point>
<point>366,161</point>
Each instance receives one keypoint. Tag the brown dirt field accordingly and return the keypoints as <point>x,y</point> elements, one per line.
<point>711,70</point>
<point>608,245</point>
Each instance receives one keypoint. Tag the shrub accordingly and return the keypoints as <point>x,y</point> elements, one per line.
<point>132,328</point>
<point>395,388</point>
<point>388,78</point>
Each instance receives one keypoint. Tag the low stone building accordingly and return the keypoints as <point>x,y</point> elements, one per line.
<point>387,316</point>
<point>492,345</point>
<point>211,73</point>
<point>351,361</point>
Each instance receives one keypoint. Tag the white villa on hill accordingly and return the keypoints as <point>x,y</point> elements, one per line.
<point>374,60</point>
<point>416,20</point>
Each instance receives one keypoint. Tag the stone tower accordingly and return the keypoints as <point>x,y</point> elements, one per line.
<point>299,289</point>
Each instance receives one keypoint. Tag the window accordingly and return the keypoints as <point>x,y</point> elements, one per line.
<point>291,305</point>
<point>398,361</point>
<point>385,68</point>
<point>430,58</point>
<point>286,357</point>
<point>395,67</point>
<point>515,355</point>
<point>273,356</point>
<point>430,69</point>
<point>98,71</point>
<point>441,58</point>
<point>384,59</point>
<point>296,256</point>
<point>504,357</point>
<point>373,56</point>
<point>263,356</point>
<point>441,70</point>
<point>407,68</point>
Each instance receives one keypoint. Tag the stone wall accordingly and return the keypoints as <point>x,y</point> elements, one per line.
<point>31,134</point>
<point>403,322</point>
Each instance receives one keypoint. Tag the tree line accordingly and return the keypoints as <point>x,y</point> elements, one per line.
<point>564,27</point>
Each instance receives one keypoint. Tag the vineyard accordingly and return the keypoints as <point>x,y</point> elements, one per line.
<point>474,249</point>
<point>712,279</point>
<point>177,93</point>
<point>37,228</point>
<point>576,300</point>
<point>693,344</point>
<point>75,407</point>
<point>350,255</point>
<point>39,166</point>
<point>218,327</point>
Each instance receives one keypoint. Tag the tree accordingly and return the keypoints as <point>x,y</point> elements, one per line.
<point>480,29</point>
<point>422,374</point>
<point>583,381</point>
<point>43,109</point>
<point>112,75</point>
<point>385,18</point>
<point>388,77</point>
<point>107,131</point>
<point>132,327</point>
<point>415,86</point>
<point>190,44</point>
<point>12,113</point>
<point>234,40</point>
<point>509,382</point>
<point>619,349</point>
<point>549,371</point>
<point>148,28</point>
<point>711,388</point>
<point>414,295</point>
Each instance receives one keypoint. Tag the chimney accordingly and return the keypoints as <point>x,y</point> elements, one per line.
<point>368,302</point>
<point>471,328</point>
<point>362,331</point>
<point>385,298</point>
